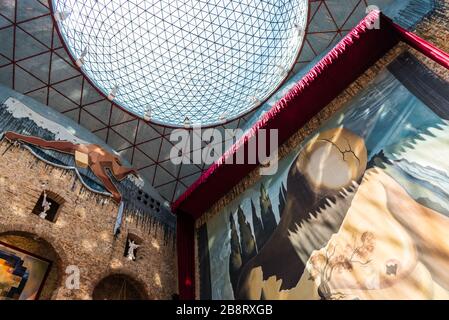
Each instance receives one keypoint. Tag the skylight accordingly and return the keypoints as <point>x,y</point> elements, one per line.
<point>178,62</point>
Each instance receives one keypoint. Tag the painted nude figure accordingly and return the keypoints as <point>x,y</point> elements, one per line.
<point>98,159</point>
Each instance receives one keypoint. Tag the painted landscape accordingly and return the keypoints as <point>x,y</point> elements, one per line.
<point>360,210</point>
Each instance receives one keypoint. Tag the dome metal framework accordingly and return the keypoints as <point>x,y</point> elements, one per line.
<point>184,62</point>
<point>30,38</point>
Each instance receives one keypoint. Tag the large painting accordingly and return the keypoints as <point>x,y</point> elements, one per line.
<point>360,210</point>
<point>22,274</point>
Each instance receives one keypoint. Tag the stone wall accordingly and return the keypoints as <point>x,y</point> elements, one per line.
<point>82,234</point>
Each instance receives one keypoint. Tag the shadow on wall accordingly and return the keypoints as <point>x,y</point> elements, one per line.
<point>119,287</point>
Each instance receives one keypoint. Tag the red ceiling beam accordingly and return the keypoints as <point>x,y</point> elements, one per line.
<point>428,49</point>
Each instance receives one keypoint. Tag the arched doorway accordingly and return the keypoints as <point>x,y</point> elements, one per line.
<point>40,266</point>
<point>119,287</point>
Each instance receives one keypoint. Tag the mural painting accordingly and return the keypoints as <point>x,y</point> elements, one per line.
<point>22,274</point>
<point>359,210</point>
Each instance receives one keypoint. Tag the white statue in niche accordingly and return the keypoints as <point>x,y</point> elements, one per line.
<point>132,246</point>
<point>45,205</point>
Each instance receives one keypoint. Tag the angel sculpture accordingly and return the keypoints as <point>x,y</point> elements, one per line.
<point>132,246</point>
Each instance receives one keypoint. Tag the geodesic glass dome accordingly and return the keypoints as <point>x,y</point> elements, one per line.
<point>184,61</point>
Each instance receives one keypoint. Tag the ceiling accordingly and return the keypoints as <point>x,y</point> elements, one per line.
<point>33,61</point>
<point>206,61</point>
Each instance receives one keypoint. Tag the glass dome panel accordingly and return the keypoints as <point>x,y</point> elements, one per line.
<point>167,60</point>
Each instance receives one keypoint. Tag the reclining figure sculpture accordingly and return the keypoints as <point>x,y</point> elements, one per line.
<point>96,157</point>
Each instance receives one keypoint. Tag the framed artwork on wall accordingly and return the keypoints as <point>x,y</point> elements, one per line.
<point>22,273</point>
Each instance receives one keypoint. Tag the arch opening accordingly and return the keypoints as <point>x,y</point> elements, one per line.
<point>36,272</point>
<point>119,287</point>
